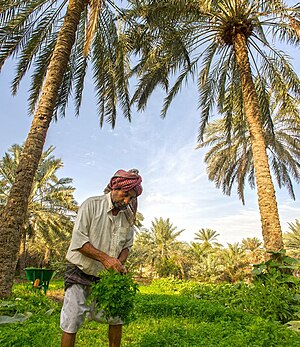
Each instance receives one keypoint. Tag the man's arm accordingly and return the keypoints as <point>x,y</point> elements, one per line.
<point>123,255</point>
<point>108,262</point>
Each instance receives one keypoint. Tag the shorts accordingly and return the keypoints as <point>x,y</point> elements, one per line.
<point>75,309</point>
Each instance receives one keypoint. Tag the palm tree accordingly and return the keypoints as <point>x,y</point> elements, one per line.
<point>51,206</point>
<point>234,262</point>
<point>52,37</point>
<point>159,246</point>
<point>206,262</point>
<point>292,238</point>
<point>207,237</point>
<point>140,255</point>
<point>230,157</point>
<point>164,236</point>
<point>253,246</point>
<point>224,45</point>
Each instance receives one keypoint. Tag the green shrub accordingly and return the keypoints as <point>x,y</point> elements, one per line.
<point>274,302</point>
<point>41,329</point>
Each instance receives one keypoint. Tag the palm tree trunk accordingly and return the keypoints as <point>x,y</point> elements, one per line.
<point>271,229</point>
<point>22,253</point>
<point>13,214</point>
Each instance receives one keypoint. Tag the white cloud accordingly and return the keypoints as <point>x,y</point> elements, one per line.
<point>89,154</point>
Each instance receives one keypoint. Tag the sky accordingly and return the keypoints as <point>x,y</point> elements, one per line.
<point>163,150</point>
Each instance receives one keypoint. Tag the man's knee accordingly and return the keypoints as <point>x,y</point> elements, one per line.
<point>74,309</point>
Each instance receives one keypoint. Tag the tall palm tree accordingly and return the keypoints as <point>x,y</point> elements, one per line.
<point>53,38</point>
<point>224,44</point>
<point>51,206</point>
<point>230,157</point>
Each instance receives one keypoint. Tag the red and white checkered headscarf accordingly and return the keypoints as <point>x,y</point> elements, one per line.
<point>127,180</point>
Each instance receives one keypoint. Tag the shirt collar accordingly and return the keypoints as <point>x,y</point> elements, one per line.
<point>110,204</point>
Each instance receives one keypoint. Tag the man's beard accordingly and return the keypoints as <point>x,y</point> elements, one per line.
<point>121,207</point>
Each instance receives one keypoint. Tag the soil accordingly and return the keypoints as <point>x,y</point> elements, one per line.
<point>56,295</point>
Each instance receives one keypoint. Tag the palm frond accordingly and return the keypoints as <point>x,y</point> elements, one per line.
<point>94,11</point>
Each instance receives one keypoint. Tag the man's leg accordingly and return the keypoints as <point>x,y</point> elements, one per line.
<point>73,313</point>
<point>67,339</point>
<point>115,335</point>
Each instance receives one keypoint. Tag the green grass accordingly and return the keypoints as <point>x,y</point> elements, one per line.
<point>164,319</point>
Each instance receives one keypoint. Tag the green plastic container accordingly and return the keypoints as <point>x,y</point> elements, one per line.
<point>43,275</point>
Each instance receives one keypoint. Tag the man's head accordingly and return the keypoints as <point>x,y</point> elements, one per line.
<point>121,198</point>
<point>125,187</point>
<point>126,180</point>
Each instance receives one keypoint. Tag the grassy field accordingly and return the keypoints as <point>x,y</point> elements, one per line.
<point>164,317</point>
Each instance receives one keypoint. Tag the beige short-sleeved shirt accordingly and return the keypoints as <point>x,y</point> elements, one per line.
<point>96,224</point>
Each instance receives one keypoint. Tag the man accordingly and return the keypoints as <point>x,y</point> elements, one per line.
<point>101,239</point>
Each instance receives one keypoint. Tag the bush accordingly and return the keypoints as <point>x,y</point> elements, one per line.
<point>273,302</point>
<point>43,319</point>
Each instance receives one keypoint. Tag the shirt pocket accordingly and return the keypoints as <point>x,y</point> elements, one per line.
<point>123,237</point>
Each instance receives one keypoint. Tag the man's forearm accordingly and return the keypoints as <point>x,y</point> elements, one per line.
<point>108,262</point>
<point>123,255</point>
<point>90,251</point>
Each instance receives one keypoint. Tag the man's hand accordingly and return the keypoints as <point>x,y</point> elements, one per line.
<point>113,263</point>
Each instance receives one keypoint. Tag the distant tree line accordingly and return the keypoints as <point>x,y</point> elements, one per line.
<point>157,253</point>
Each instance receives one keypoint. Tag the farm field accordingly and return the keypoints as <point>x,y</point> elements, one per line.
<point>166,315</point>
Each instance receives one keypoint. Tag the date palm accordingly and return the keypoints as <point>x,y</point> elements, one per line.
<point>230,159</point>
<point>207,237</point>
<point>205,259</point>
<point>57,39</point>
<point>51,205</point>
<point>292,238</point>
<point>226,46</point>
<point>234,262</point>
<point>159,245</point>
<point>251,244</point>
<point>254,249</point>
<point>164,236</point>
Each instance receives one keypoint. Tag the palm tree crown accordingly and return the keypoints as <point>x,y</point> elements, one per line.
<point>164,236</point>
<point>51,206</point>
<point>207,237</point>
<point>181,36</point>
<point>29,34</point>
<point>292,237</point>
<point>225,46</point>
<point>230,159</point>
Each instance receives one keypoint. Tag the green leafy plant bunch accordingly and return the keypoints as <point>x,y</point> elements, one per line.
<point>114,294</point>
<point>279,270</point>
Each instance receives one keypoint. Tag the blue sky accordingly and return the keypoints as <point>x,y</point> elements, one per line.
<point>174,175</point>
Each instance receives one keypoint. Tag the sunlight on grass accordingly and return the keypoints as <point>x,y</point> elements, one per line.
<point>164,317</point>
